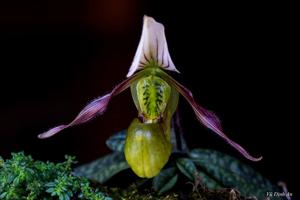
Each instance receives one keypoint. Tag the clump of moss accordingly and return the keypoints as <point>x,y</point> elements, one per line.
<point>21,177</point>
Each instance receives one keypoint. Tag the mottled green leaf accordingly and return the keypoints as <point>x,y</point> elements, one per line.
<point>187,167</point>
<point>232,173</point>
<point>207,181</point>
<point>117,141</point>
<point>104,168</point>
<point>165,180</point>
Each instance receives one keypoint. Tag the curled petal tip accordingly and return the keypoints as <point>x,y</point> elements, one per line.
<point>51,132</point>
<point>257,159</point>
<point>94,108</point>
<point>40,136</point>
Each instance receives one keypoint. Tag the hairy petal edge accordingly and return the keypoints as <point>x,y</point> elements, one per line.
<point>94,108</point>
<point>207,118</point>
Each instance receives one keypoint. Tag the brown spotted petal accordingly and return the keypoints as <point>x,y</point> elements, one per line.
<point>208,118</point>
<point>94,108</point>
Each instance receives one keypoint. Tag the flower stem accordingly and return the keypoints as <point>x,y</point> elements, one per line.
<point>178,141</point>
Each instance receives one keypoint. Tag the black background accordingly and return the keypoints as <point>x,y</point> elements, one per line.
<point>237,59</point>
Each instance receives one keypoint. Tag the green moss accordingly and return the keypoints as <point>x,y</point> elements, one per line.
<point>21,177</point>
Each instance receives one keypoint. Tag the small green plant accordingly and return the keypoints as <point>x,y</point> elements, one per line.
<point>21,177</point>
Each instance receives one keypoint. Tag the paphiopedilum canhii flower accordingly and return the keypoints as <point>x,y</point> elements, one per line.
<point>155,94</point>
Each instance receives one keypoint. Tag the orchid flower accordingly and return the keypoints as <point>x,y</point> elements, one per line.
<point>155,95</point>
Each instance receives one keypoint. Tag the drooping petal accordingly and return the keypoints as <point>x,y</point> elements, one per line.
<point>207,118</point>
<point>152,47</point>
<point>94,108</point>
